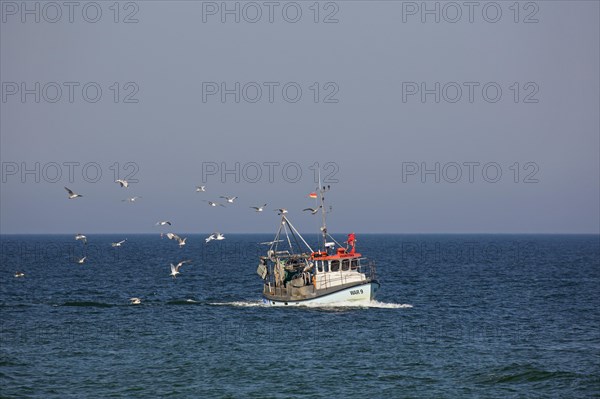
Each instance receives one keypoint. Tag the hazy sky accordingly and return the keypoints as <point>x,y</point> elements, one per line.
<point>486,121</point>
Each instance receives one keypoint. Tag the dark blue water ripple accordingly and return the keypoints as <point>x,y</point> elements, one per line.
<point>494,316</point>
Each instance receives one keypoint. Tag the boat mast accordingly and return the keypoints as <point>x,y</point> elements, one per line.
<point>321,190</point>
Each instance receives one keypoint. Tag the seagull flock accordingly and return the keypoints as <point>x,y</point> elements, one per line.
<point>216,236</point>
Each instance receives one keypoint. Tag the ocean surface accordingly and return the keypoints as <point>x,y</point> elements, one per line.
<point>457,316</point>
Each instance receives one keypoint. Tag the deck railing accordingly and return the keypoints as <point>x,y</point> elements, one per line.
<point>333,279</point>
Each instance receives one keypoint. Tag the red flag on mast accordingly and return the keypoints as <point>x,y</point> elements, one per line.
<point>312,195</point>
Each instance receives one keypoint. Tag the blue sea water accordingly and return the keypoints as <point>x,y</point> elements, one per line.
<point>490,316</point>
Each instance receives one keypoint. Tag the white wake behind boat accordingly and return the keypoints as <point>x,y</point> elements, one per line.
<point>295,274</point>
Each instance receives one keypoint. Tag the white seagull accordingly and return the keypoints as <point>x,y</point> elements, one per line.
<point>281,211</point>
<point>173,236</point>
<point>214,203</point>
<point>81,260</point>
<point>175,268</point>
<point>200,189</point>
<point>162,223</point>
<point>118,244</point>
<point>19,274</point>
<point>229,199</point>
<point>259,208</point>
<point>210,238</point>
<point>81,237</point>
<point>312,210</point>
<point>72,194</point>
<point>135,301</point>
<point>123,183</point>
<point>131,199</point>
<point>215,236</point>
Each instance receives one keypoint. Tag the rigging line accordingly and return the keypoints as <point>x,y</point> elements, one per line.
<point>330,236</point>
<point>296,236</point>
<point>287,236</point>
<point>296,240</point>
<point>275,242</point>
<point>299,235</point>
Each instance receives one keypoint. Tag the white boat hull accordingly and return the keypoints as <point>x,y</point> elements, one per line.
<point>362,293</point>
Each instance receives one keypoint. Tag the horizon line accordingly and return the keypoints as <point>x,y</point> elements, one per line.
<point>309,233</point>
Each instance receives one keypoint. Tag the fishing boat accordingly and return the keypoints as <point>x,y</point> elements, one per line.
<point>295,274</point>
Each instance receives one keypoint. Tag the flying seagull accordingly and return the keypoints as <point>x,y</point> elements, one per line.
<point>215,236</point>
<point>162,223</point>
<point>175,268</point>
<point>19,274</point>
<point>72,194</point>
<point>200,189</point>
<point>214,203</point>
<point>281,211</point>
<point>173,236</point>
<point>118,244</point>
<point>81,237</point>
<point>123,183</point>
<point>135,301</point>
<point>312,210</point>
<point>131,199</point>
<point>219,236</point>
<point>81,260</point>
<point>259,208</point>
<point>229,199</point>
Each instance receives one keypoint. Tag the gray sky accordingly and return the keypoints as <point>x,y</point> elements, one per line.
<point>361,112</point>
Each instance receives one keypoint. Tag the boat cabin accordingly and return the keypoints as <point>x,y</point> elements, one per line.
<point>341,261</point>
